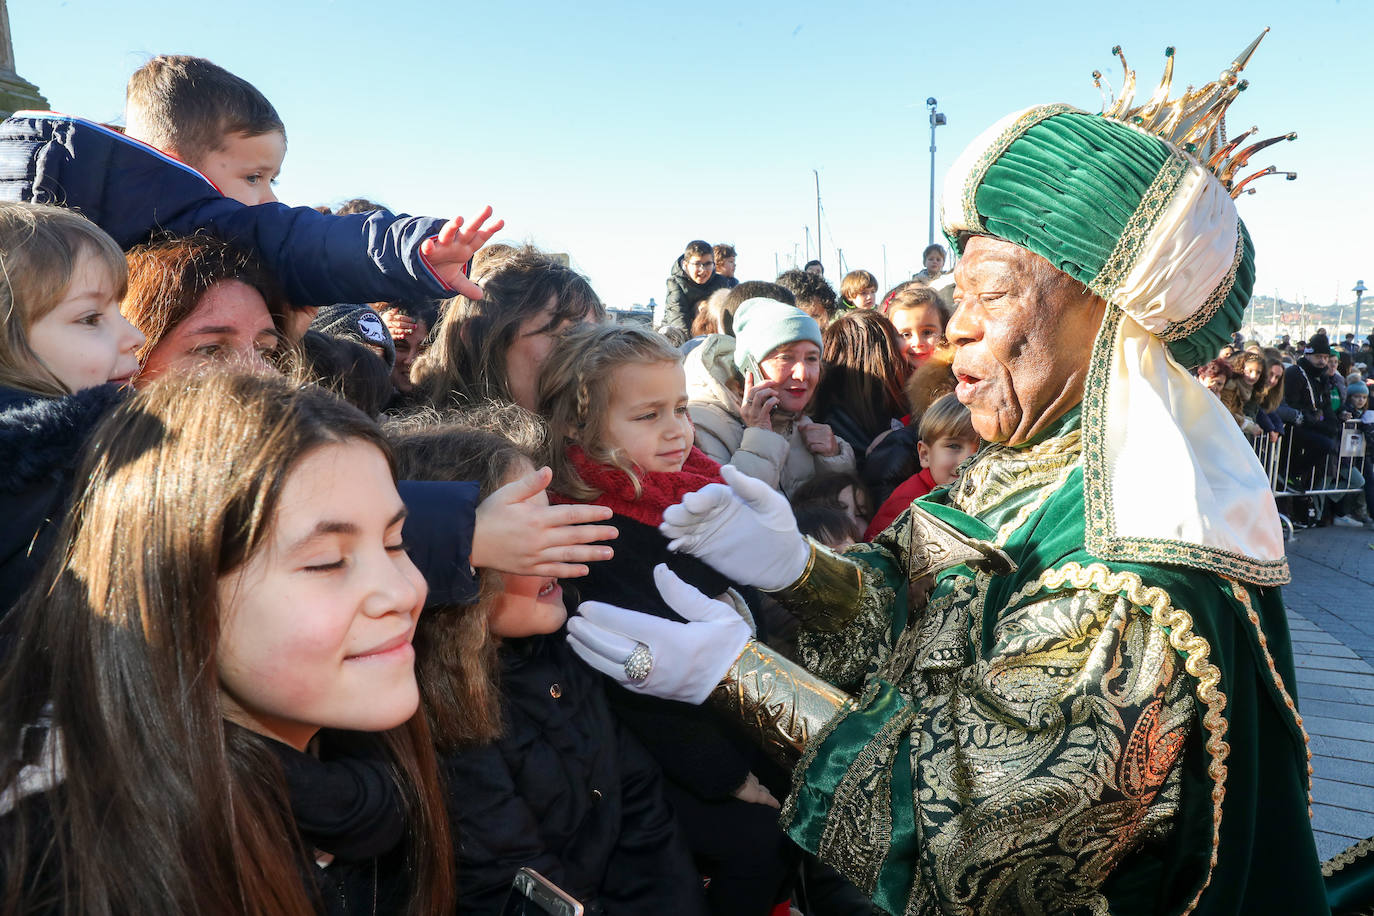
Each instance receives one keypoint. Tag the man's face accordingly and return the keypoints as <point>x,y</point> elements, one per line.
<point>699,267</point>
<point>1023,337</point>
<point>726,267</point>
<point>1319,360</point>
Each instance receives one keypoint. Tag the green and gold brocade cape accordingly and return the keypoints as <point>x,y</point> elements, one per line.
<point>1235,835</point>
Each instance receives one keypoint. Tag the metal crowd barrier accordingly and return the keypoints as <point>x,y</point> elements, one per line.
<point>1334,479</point>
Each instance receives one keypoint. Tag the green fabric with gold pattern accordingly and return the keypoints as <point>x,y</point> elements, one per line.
<point>1053,740</point>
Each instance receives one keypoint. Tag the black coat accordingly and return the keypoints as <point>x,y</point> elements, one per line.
<point>693,744</point>
<point>1307,389</point>
<point>40,446</point>
<point>133,192</point>
<point>349,805</point>
<point>891,462</point>
<point>568,792</point>
<point>684,295</point>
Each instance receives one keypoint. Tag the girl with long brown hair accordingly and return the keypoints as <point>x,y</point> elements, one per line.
<point>187,720</point>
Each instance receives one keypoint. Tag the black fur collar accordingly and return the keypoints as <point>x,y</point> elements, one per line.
<point>41,435</point>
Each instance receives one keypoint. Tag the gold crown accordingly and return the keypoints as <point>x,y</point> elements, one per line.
<point>1196,120</point>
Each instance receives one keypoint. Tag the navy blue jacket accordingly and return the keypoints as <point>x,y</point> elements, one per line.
<point>41,440</point>
<point>134,192</point>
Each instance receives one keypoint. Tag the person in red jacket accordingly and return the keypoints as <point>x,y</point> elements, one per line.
<point>947,441</point>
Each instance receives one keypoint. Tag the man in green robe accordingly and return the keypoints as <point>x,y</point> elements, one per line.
<point>1063,684</point>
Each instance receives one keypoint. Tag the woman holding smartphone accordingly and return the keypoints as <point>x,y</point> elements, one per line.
<point>749,395</point>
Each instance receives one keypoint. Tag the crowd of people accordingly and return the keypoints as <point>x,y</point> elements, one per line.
<point>250,444</point>
<point>300,500</point>
<point>1306,406</point>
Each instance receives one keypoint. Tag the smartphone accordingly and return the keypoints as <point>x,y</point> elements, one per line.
<point>752,365</point>
<point>531,894</point>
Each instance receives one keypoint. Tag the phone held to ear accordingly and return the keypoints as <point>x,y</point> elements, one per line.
<point>751,366</point>
<point>531,894</point>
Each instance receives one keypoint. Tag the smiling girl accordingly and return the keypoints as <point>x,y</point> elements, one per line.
<point>615,399</point>
<point>62,339</point>
<point>185,722</point>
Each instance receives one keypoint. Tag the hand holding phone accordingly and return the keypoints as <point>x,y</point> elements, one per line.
<point>759,399</point>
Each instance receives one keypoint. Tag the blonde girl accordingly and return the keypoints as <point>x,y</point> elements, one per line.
<point>615,399</point>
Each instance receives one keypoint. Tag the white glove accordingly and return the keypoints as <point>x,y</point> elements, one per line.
<point>746,531</point>
<point>688,659</point>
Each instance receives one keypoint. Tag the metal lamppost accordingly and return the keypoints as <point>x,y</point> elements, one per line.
<point>937,119</point>
<point>1359,295</point>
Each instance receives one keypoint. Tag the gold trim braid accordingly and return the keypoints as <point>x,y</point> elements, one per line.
<point>1194,649</point>
<point>1242,594</point>
<point>778,701</point>
<point>1347,857</point>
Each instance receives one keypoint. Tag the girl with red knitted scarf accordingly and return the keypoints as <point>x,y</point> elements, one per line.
<point>615,398</point>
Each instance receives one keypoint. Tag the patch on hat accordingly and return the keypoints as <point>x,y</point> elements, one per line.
<point>372,329</point>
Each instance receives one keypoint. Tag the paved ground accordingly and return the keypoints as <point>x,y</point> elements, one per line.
<point>1331,611</point>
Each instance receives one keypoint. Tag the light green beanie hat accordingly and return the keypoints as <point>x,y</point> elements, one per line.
<point>762,325</point>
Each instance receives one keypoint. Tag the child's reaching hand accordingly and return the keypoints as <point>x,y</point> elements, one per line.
<point>454,246</point>
<point>517,531</point>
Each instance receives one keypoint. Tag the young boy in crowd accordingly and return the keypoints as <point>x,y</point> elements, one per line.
<point>859,290</point>
<point>947,440</point>
<point>691,281</point>
<point>725,263</point>
<point>210,119</point>
<point>203,114</point>
<point>814,295</point>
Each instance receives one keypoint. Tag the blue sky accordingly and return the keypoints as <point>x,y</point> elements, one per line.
<point>617,132</point>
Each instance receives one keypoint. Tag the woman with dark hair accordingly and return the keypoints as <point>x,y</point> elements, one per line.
<point>188,718</point>
<point>198,299</point>
<point>1273,412</point>
<point>860,392</point>
<point>492,348</point>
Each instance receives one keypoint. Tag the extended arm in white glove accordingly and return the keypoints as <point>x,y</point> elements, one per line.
<point>745,530</point>
<point>688,659</point>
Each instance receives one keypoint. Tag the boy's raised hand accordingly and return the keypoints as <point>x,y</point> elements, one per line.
<point>518,532</point>
<point>451,249</point>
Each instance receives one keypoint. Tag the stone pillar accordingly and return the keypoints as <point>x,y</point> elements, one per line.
<point>16,93</point>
